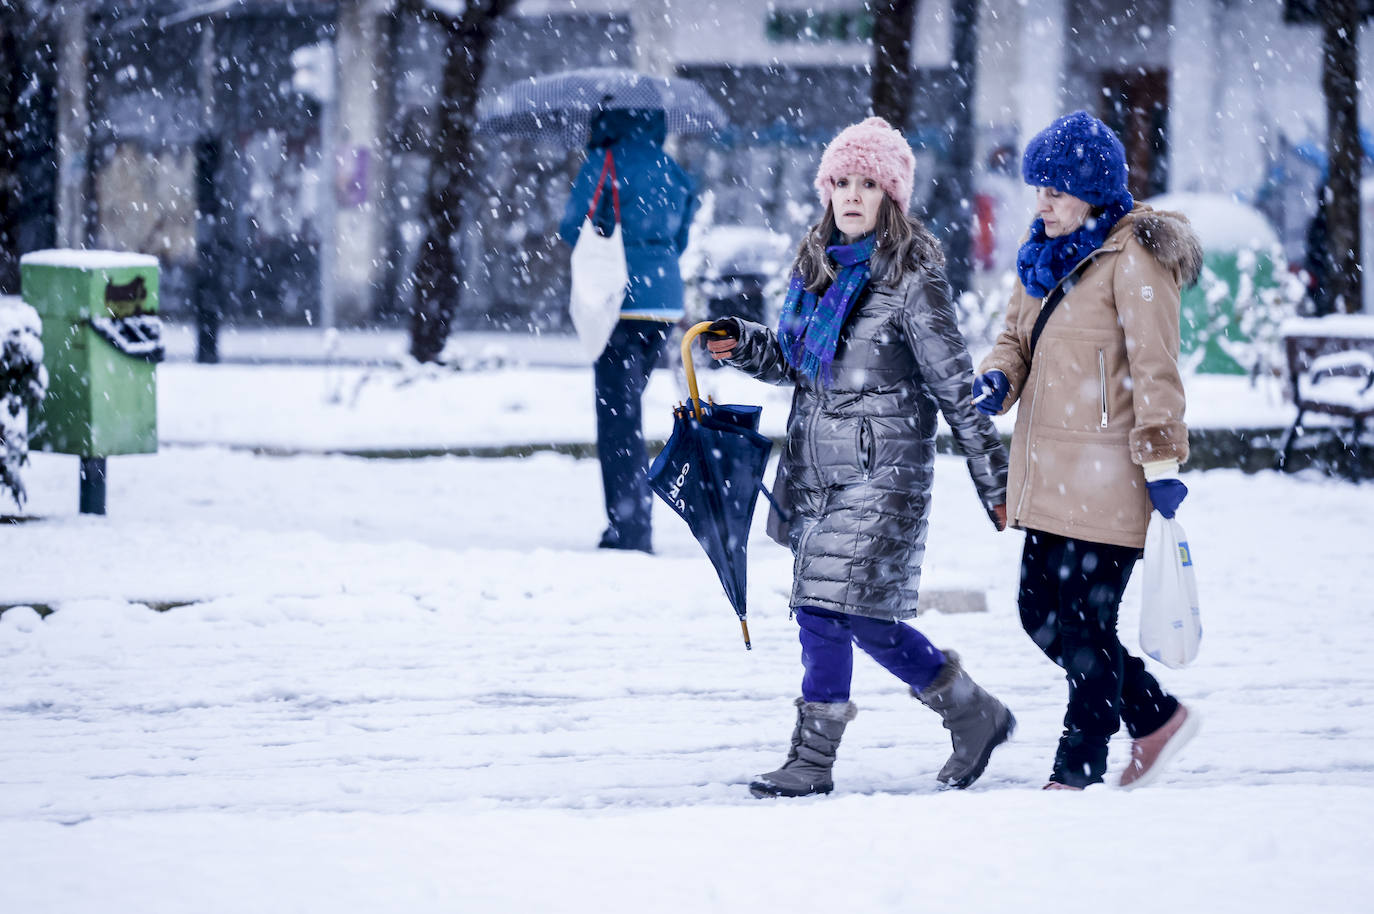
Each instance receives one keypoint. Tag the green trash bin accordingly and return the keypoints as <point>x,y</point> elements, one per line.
<point>1210,330</point>
<point>1238,295</point>
<point>102,341</point>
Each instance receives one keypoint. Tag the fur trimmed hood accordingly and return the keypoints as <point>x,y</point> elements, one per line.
<point>1169,238</point>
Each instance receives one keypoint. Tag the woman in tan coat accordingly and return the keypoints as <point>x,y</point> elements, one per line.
<point>1090,354</point>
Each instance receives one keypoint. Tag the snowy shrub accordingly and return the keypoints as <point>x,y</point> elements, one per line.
<point>1259,314</point>
<point>983,314</point>
<point>23,382</point>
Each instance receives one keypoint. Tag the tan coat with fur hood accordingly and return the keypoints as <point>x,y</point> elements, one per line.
<point>1104,394</point>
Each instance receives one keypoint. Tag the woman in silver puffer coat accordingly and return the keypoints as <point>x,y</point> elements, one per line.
<point>869,339</point>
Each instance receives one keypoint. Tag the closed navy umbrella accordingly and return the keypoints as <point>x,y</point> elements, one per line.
<point>559,107</point>
<point>710,472</point>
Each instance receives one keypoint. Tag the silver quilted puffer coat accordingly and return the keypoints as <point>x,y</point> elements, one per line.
<point>855,476</point>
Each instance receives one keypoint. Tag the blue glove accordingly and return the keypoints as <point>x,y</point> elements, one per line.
<point>1166,495</point>
<point>990,391</point>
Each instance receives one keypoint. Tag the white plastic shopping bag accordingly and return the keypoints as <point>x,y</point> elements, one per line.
<point>599,275</point>
<point>1170,621</point>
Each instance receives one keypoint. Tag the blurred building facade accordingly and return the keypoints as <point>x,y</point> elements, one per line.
<point>297,129</point>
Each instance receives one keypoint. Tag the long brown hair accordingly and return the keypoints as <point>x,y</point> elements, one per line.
<point>904,243</point>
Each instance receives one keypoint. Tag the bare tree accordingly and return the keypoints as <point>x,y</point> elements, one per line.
<point>893,90</point>
<point>893,21</point>
<point>438,276</point>
<point>1340,24</point>
<point>11,78</point>
<point>28,123</point>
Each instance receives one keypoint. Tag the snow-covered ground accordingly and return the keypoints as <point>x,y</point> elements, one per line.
<point>347,408</point>
<point>415,686</point>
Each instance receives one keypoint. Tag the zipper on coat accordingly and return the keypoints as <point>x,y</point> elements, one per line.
<point>812,420</point>
<point>1102,380</point>
<point>865,446</point>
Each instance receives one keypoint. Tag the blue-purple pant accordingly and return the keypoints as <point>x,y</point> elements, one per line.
<point>828,639</point>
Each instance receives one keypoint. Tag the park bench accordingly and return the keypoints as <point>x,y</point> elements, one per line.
<point>1330,372</point>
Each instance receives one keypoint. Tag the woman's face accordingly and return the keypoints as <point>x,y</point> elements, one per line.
<point>856,200</point>
<point>1063,213</point>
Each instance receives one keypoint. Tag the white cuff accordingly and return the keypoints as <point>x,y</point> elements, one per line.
<point>1160,469</point>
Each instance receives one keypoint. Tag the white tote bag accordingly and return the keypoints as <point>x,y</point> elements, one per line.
<point>599,274</point>
<point>1170,621</point>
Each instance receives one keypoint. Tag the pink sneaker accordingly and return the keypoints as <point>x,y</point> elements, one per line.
<point>1150,754</point>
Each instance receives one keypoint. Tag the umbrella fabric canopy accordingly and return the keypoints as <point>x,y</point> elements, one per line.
<point>559,107</point>
<point>710,472</point>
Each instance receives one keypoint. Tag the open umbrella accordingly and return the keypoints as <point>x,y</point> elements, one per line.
<point>559,107</point>
<point>710,472</point>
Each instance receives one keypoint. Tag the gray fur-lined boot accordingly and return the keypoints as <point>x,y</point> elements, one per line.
<point>977,722</point>
<point>815,740</point>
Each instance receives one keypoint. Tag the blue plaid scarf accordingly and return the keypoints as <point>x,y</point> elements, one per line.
<point>809,328</point>
<point>1042,261</point>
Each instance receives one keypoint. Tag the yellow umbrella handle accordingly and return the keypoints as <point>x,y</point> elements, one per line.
<point>690,369</point>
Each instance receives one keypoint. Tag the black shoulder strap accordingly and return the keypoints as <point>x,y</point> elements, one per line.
<point>1052,301</point>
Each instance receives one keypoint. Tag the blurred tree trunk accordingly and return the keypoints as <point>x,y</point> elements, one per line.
<point>959,182</point>
<point>950,212</point>
<point>1340,24</point>
<point>28,128</point>
<point>11,87</point>
<point>893,21</point>
<point>438,278</point>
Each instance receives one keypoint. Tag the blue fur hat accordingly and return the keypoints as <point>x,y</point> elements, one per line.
<point>1079,155</point>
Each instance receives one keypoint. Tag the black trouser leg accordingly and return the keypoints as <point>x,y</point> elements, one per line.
<point>1069,598</point>
<point>622,372</point>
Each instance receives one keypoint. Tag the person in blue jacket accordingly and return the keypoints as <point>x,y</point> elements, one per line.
<point>657,202</point>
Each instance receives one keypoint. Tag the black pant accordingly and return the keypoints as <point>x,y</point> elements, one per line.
<point>622,373</point>
<point>1070,593</point>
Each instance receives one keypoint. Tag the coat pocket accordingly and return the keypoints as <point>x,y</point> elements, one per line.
<point>1084,485</point>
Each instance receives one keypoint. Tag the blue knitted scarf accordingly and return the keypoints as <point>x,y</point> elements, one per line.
<point>809,328</point>
<point>1042,261</point>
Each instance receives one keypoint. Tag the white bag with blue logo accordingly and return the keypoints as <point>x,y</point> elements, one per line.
<point>599,273</point>
<point>1170,622</point>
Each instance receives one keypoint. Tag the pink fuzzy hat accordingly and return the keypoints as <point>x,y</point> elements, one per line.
<point>874,149</point>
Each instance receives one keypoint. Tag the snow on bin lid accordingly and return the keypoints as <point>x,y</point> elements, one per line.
<point>88,260</point>
<point>1221,223</point>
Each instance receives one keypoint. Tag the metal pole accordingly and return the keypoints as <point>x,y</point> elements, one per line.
<point>209,305</point>
<point>209,289</point>
<point>73,128</point>
<point>92,485</point>
<point>329,239</point>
